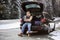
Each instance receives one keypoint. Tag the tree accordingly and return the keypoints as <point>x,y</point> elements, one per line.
<point>10,9</point>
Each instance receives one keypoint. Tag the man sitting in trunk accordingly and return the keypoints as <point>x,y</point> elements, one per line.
<point>27,19</point>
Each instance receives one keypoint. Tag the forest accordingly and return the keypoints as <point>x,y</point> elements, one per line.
<point>11,9</point>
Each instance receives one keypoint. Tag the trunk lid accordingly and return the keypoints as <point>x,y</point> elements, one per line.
<point>32,6</point>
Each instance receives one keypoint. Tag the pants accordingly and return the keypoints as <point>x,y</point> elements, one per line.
<point>28,25</point>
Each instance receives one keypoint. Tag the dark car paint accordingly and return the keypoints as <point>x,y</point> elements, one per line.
<point>26,3</point>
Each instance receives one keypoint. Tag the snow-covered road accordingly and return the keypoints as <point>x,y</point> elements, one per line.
<point>55,35</point>
<point>15,23</point>
<point>8,24</point>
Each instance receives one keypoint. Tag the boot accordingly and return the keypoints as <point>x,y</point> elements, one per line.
<point>21,34</point>
<point>28,34</point>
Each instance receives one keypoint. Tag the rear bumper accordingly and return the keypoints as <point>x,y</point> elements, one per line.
<point>36,28</point>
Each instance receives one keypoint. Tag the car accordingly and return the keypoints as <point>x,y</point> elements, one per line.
<point>40,18</point>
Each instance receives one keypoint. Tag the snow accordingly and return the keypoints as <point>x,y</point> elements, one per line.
<point>56,18</point>
<point>8,24</point>
<point>57,21</point>
<point>55,35</point>
<point>16,24</point>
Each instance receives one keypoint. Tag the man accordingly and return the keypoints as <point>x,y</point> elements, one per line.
<point>46,21</point>
<point>27,19</point>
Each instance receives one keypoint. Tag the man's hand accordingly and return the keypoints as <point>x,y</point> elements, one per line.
<point>28,19</point>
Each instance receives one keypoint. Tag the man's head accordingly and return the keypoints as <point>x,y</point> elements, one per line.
<point>28,13</point>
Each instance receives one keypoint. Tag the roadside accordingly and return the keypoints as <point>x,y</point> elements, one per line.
<point>8,21</point>
<point>8,24</point>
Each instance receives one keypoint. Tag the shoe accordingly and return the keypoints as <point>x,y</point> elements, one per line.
<point>28,35</point>
<point>20,34</point>
<point>29,32</point>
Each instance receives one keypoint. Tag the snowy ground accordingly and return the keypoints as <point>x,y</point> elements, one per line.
<point>8,24</point>
<point>15,23</point>
<point>55,35</point>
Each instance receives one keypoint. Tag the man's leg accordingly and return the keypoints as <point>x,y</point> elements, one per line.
<point>23,27</point>
<point>22,31</point>
<point>29,27</point>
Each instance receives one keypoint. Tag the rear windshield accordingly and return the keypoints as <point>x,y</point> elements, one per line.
<point>32,6</point>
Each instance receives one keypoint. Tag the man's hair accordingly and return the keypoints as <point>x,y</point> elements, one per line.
<point>27,11</point>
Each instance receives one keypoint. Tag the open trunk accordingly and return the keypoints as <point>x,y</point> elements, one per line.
<point>36,9</point>
<point>32,6</point>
